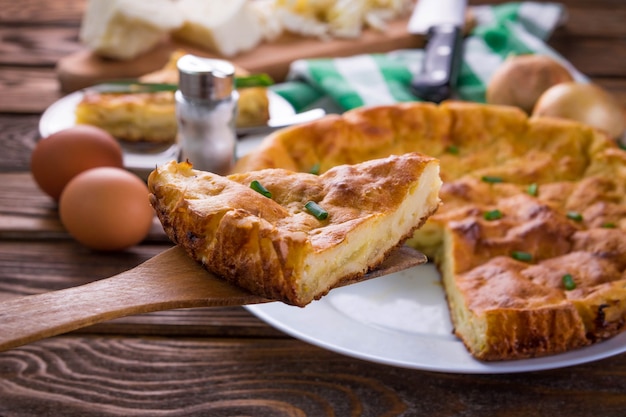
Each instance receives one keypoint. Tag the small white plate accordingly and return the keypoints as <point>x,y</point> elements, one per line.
<point>402,320</point>
<point>140,158</point>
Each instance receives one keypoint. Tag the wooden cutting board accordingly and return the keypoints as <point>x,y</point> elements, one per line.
<point>85,68</point>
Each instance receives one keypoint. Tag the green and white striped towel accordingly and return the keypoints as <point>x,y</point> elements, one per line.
<point>340,84</point>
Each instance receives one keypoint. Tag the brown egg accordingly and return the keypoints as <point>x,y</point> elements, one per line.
<point>64,154</point>
<point>106,209</point>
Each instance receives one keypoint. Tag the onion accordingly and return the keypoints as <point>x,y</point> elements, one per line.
<point>521,79</point>
<point>587,103</point>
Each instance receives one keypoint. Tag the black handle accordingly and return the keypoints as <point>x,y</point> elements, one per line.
<point>442,62</point>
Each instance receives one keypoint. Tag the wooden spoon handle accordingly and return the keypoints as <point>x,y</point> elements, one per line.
<point>170,280</point>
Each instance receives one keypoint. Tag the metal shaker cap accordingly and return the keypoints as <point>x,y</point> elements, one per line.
<point>205,78</point>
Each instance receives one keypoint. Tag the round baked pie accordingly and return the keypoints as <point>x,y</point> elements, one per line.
<point>531,237</point>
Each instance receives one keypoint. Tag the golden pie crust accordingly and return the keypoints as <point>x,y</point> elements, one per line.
<point>531,235</point>
<point>277,249</point>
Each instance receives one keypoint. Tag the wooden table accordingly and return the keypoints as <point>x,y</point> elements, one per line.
<point>224,361</point>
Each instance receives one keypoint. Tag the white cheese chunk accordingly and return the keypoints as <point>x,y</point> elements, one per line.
<point>124,29</point>
<point>225,27</point>
<point>265,11</point>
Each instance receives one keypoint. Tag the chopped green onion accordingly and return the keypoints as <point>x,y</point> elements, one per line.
<point>532,189</point>
<point>568,282</point>
<point>574,215</point>
<point>493,215</point>
<point>318,212</point>
<point>453,149</point>
<point>609,225</point>
<point>622,145</point>
<point>254,80</point>
<point>522,256</point>
<point>258,187</point>
<point>315,169</point>
<point>491,179</point>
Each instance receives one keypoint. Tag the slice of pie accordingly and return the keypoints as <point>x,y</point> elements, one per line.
<point>151,117</point>
<point>294,236</point>
<point>131,117</point>
<point>531,235</point>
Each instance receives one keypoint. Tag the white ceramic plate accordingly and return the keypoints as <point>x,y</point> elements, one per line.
<point>402,320</point>
<point>140,158</point>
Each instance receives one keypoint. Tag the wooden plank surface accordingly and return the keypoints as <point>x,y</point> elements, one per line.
<point>34,12</point>
<point>113,377</point>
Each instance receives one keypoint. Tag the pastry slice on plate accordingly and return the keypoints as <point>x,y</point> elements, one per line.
<point>294,236</point>
<point>151,116</point>
<point>131,117</point>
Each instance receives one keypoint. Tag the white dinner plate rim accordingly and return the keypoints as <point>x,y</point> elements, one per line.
<point>433,353</point>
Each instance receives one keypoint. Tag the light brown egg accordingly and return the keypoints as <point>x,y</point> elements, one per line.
<point>64,154</point>
<point>106,209</point>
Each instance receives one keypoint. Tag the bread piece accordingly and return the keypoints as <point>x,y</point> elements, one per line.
<point>551,190</point>
<point>273,246</point>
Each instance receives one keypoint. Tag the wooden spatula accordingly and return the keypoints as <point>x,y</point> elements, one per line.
<point>170,280</point>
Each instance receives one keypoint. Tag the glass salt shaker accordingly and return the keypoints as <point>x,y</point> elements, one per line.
<point>206,107</point>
